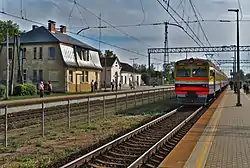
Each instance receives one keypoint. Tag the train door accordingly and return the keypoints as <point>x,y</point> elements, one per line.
<point>212,73</point>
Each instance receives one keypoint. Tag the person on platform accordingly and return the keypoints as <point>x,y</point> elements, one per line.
<point>231,84</point>
<point>92,86</point>
<point>41,89</point>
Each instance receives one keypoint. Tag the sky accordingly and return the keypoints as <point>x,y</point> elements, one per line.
<point>138,39</point>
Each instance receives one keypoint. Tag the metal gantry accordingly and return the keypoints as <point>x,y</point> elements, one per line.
<point>232,61</point>
<point>229,48</point>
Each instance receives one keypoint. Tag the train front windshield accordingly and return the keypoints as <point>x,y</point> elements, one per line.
<point>199,72</point>
<point>183,72</point>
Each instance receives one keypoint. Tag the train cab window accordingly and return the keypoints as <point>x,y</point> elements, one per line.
<point>182,72</point>
<point>212,73</point>
<point>199,72</point>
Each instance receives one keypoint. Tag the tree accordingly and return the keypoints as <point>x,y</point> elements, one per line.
<point>140,68</point>
<point>109,54</point>
<point>13,31</point>
<point>13,28</point>
<point>167,72</point>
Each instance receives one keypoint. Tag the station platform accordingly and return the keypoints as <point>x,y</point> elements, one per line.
<point>223,143</point>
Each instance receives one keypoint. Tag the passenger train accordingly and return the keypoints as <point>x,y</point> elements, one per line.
<point>197,80</point>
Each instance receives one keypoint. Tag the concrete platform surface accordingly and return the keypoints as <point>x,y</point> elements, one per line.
<point>225,142</point>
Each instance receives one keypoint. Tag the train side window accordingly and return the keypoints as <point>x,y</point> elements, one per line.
<point>212,73</point>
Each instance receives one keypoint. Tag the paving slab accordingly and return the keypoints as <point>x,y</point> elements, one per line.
<point>226,140</point>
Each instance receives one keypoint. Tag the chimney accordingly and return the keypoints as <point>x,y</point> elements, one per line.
<point>52,26</point>
<point>63,29</point>
<point>34,27</point>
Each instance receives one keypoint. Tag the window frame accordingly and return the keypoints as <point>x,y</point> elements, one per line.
<point>34,53</point>
<point>41,53</point>
<point>86,75</point>
<point>200,68</point>
<point>71,76</point>
<point>183,68</point>
<point>34,75</point>
<point>25,75</point>
<point>40,75</point>
<point>52,50</point>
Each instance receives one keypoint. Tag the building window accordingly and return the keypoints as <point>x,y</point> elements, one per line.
<point>51,53</point>
<point>86,76</point>
<point>71,76</point>
<point>34,76</point>
<point>24,53</point>
<point>34,49</point>
<point>121,79</point>
<point>10,53</point>
<point>41,53</point>
<point>82,80</point>
<point>81,54</point>
<point>96,76</point>
<point>24,75</point>
<point>125,80</point>
<point>40,75</point>
<point>87,56</point>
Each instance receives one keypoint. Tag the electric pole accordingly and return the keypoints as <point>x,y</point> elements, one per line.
<point>7,65</point>
<point>149,69</point>
<point>100,31</point>
<point>13,65</point>
<point>166,54</point>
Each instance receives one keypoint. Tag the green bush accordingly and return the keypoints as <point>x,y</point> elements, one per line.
<point>2,90</point>
<point>25,90</point>
<point>31,89</point>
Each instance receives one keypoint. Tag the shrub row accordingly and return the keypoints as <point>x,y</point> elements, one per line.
<point>25,90</point>
<point>20,90</point>
<point>2,90</point>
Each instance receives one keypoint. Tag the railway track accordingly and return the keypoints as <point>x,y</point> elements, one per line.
<point>32,117</point>
<point>133,149</point>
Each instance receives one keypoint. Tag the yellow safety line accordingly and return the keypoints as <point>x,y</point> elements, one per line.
<point>208,139</point>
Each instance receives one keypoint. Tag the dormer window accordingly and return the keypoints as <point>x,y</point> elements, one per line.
<point>82,55</point>
<point>85,55</point>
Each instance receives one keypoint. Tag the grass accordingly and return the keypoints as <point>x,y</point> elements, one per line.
<point>28,149</point>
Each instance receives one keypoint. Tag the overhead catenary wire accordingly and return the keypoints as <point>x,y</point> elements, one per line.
<point>70,13</point>
<point>160,23</point>
<point>82,16</point>
<point>182,20</point>
<point>202,19</point>
<point>241,12</point>
<point>190,1</point>
<point>121,31</point>
<point>193,8</point>
<point>42,24</point>
<point>178,23</point>
<point>143,11</point>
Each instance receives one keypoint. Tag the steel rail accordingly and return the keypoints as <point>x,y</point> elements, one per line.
<point>153,149</point>
<point>85,158</point>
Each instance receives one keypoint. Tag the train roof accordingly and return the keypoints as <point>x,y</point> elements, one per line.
<point>201,60</point>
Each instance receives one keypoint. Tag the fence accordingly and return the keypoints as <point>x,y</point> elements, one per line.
<point>70,109</point>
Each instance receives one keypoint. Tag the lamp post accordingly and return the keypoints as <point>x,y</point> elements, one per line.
<point>238,58</point>
<point>234,63</point>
